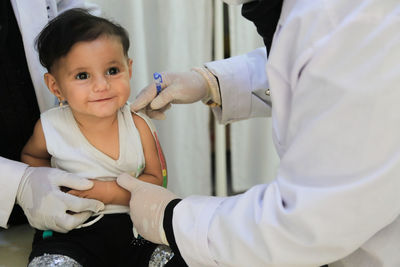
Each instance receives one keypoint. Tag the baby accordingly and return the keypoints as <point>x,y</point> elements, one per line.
<point>94,134</point>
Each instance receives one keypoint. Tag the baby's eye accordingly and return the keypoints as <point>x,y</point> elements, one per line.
<point>82,76</point>
<point>112,71</point>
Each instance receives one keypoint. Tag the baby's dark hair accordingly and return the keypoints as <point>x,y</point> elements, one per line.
<point>73,26</point>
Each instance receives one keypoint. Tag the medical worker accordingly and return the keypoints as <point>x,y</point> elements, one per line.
<point>333,74</point>
<point>23,95</point>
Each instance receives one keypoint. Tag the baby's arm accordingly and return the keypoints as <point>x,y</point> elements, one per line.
<point>109,192</point>
<point>35,152</point>
<point>152,172</point>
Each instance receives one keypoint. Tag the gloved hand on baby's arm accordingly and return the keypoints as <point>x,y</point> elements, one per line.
<point>147,207</point>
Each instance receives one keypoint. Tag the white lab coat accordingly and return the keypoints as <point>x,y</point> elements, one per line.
<point>32,16</point>
<point>334,75</point>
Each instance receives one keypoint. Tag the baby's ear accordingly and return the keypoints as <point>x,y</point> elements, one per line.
<point>130,61</point>
<point>51,83</point>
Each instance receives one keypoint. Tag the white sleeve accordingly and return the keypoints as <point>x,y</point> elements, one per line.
<point>241,79</point>
<point>10,177</point>
<point>64,5</point>
<point>338,184</point>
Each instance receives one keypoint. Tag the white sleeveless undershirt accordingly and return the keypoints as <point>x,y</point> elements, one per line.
<point>72,152</point>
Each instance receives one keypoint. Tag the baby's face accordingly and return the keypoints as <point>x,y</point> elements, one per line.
<point>94,77</point>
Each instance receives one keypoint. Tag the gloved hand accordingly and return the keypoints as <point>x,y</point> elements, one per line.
<point>147,206</point>
<point>46,206</point>
<point>178,88</point>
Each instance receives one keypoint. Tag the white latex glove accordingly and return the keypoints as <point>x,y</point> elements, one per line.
<point>46,206</point>
<point>178,88</point>
<point>147,206</point>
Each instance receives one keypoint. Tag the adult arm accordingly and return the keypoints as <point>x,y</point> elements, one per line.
<point>243,86</point>
<point>240,84</point>
<point>64,5</point>
<point>37,191</point>
<point>337,185</point>
<point>10,177</point>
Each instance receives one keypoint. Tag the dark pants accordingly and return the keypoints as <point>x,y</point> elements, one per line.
<point>108,242</point>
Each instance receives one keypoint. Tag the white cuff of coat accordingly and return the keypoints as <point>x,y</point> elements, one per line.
<point>235,103</point>
<point>10,177</point>
<point>238,77</point>
<point>191,221</point>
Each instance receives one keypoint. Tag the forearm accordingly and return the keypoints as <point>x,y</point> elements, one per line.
<point>35,161</point>
<point>121,196</point>
<point>108,192</point>
<point>116,194</point>
<point>149,178</point>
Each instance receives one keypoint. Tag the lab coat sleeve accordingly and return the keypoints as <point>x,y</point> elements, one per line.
<point>338,183</point>
<point>68,4</point>
<point>10,177</point>
<point>242,80</point>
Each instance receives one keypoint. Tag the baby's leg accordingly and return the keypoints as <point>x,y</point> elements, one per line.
<point>79,247</point>
<point>161,256</point>
<point>53,260</point>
